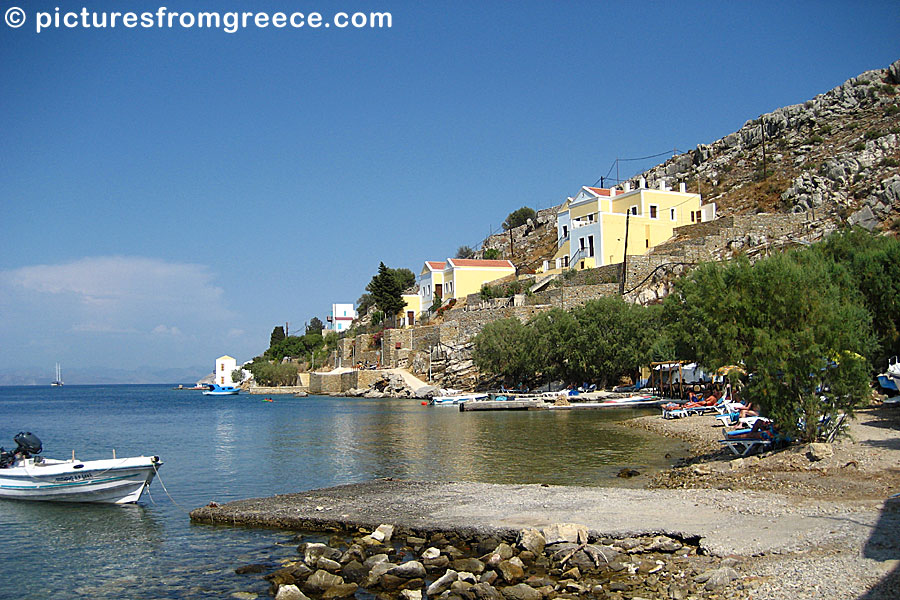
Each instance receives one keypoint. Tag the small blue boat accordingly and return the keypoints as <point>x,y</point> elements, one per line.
<point>221,390</point>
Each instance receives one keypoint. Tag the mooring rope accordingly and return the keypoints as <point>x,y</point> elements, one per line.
<point>162,483</point>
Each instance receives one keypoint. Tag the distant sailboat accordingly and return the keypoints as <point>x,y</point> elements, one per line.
<point>58,382</point>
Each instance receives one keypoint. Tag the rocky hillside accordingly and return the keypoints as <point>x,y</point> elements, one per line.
<point>837,156</point>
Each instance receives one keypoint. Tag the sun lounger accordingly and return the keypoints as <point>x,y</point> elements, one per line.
<point>674,413</point>
<point>746,446</point>
<point>728,418</point>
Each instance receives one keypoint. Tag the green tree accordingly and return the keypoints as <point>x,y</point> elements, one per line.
<point>518,217</point>
<point>365,302</point>
<point>797,323</point>
<point>549,348</point>
<point>491,254</point>
<point>315,326</point>
<point>873,261</point>
<point>504,348</point>
<point>464,252</point>
<point>387,289</point>
<point>612,338</point>
<point>268,373</point>
<point>277,336</point>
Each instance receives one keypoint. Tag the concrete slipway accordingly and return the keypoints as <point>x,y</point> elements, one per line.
<point>726,522</point>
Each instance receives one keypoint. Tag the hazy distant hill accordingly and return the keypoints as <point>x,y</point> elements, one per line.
<point>103,375</point>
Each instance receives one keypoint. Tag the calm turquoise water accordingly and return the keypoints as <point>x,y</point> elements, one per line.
<point>221,449</point>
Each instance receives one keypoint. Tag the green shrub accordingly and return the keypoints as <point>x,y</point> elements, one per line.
<point>891,110</point>
<point>887,89</point>
<point>491,254</point>
<point>873,134</point>
<point>890,162</point>
<point>859,146</point>
<point>815,140</point>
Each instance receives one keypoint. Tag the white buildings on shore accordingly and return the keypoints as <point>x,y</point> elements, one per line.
<point>341,317</point>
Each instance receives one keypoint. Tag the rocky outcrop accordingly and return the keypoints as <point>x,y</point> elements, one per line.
<point>559,562</point>
<point>835,154</point>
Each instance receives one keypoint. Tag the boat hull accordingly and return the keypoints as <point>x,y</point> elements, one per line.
<point>456,400</point>
<point>115,481</point>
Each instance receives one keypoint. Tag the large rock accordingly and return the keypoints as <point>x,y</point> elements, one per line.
<point>341,590</point>
<point>411,594</point>
<point>354,571</point>
<point>521,591</point>
<point>427,392</point>
<point>472,565</point>
<point>313,551</point>
<point>532,540</point>
<point>383,533</point>
<point>290,592</point>
<point>441,584</point>
<point>512,570</point>
<point>408,570</point>
<point>321,581</point>
<point>483,591</point>
<point>817,451</point>
<point>565,532</point>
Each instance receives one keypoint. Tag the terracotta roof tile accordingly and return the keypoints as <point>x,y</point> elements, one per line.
<point>470,262</point>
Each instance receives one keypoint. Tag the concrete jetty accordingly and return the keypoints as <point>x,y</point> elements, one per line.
<point>725,522</point>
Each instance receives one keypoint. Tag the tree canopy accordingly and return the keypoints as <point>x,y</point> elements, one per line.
<point>277,335</point>
<point>387,288</point>
<point>315,325</point>
<point>796,322</point>
<point>518,217</point>
<point>464,252</point>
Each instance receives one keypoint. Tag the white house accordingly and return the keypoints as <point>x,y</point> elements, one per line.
<point>341,317</point>
<point>225,365</point>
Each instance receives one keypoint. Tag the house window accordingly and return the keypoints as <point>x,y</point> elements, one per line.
<point>692,216</point>
<point>646,243</point>
<point>672,213</point>
<point>633,210</point>
<point>566,261</point>
<point>565,231</point>
<point>653,209</point>
<point>221,366</point>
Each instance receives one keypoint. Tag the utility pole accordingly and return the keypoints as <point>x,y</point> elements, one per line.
<point>762,127</point>
<point>624,257</point>
<point>286,330</point>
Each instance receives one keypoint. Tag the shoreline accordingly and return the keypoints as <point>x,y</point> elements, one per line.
<point>800,528</point>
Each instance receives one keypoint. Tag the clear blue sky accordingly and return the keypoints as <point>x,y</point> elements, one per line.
<point>170,195</point>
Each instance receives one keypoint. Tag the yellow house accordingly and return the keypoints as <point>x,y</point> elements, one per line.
<point>407,317</point>
<point>458,277</point>
<point>591,226</point>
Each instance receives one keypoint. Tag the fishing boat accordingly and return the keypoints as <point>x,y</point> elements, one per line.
<point>58,381</point>
<point>26,476</point>
<point>456,399</point>
<point>214,389</point>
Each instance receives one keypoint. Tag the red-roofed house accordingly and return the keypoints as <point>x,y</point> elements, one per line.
<point>459,277</point>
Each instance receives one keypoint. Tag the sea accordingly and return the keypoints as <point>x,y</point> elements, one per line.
<point>217,449</point>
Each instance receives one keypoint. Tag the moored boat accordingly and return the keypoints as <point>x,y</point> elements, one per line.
<point>457,399</point>
<point>214,389</point>
<point>26,476</point>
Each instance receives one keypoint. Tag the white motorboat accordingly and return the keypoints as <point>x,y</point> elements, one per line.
<point>25,476</point>
<point>457,399</point>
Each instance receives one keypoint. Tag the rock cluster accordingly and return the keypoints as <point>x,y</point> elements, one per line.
<point>560,561</point>
<point>390,385</point>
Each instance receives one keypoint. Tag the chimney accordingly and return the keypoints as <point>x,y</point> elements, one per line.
<point>627,186</point>
<point>682,188</point>
<point>662,185</point>
<point>643,183</point>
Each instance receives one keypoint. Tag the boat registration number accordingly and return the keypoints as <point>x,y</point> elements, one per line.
<point>76,477</point>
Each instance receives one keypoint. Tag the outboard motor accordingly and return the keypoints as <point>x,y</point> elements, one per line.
<point>27,444</point>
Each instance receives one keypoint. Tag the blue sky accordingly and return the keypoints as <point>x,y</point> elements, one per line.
<point>170,195</point>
